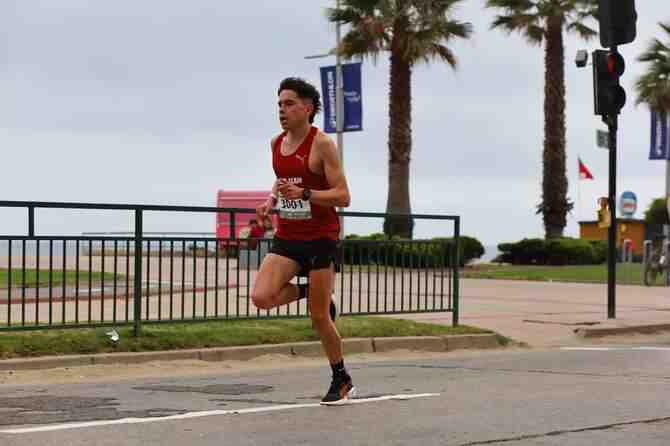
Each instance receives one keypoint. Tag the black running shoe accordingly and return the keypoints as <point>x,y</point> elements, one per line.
<point>340,392</point>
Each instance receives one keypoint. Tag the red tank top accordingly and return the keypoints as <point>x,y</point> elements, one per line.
<point>324,223</point>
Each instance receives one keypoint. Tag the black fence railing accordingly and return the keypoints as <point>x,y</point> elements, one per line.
<point>75,281</point>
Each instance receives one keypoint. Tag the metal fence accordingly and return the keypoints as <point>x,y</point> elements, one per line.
<point>51,281</point>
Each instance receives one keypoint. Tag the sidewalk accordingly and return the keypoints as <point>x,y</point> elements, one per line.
<point>546,314</point>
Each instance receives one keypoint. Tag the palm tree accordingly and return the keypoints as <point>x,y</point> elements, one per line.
<point>542,22</point>
<point>653,87</point>
<point>412,31</point>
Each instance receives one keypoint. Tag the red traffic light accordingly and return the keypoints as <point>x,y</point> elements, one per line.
<point>609,96</point>
<point>615,64</point>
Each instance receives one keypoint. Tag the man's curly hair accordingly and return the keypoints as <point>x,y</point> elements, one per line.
<point>304,90</point>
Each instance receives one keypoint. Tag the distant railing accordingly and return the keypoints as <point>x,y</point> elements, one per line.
<point>54,281</point>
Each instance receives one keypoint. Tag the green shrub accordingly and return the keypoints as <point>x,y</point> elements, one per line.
<point>657,213</point>
<point>376,249</point>
<point>563,251</point>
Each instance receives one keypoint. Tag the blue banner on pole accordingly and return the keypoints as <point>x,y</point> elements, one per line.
<point>659,137</point>
<point>353,98</point>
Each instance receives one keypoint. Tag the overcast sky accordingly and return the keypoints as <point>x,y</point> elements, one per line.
<point>166,102</point>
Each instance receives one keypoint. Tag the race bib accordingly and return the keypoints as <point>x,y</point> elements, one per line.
<point>294,209</point>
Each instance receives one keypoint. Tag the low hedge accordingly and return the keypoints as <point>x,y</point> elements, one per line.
<point>562,251</point>
<point>377,249</point>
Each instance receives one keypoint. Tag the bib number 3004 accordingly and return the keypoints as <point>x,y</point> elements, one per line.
<point>294,209</point>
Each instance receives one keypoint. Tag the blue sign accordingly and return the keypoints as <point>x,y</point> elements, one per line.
<point>353,98</point>
<point>628,204</point>
<point>659,136</point>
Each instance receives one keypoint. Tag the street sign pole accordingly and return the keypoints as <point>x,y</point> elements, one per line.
<point>612,121</point>
<point>339,106</point>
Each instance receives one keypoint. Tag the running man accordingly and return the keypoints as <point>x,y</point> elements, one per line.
<point>310,184</point>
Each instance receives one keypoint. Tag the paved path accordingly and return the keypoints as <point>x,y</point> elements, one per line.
<point>546,314</point>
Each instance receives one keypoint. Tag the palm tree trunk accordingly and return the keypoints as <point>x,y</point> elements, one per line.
<point>400,148</point>
<point>554,204</point>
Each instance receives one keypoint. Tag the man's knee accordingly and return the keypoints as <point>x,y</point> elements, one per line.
<point>262,299</point>
<point>320,318</point>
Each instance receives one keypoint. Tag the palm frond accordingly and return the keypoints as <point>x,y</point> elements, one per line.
<point>357,43</point>
<point>419,28</point>
<point>657,52</point>
<point>665,27</point>
<point>423,38</point>
<point>364,7</point>
<point>534,34</point>
<point>653,91</point>
<point>528,25</point>
<point>653,87</point>
<point>512,6</point>
<point>344,16</point>
<point>440,52</point>
<point>581,30</point>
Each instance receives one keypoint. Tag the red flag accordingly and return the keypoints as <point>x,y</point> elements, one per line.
<point>584,173</point>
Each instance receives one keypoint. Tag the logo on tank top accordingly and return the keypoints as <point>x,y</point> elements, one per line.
<point>301,158</point>
<point>292,180</point>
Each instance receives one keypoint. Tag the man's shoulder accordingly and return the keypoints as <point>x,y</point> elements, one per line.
<point>274,139</point>
<point>323,142</point>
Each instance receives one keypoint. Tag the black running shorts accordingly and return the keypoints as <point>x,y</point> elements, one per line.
<point>310,255</point>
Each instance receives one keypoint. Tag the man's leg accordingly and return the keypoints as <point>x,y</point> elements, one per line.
<point>304,293</point>
<point>320,286</point>
<point>272,287</point>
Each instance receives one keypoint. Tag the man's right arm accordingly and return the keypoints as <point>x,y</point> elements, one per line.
<point>265,209</point>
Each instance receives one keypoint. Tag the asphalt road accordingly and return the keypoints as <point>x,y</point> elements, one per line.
<point>513,397</point>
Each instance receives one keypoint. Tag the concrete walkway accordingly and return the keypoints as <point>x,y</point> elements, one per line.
<point>546,314</point>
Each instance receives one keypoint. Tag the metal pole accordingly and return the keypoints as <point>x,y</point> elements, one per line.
<point>31,221</point>
<point>137,280</point>
<point>612,123</point>
<point>339,106</point>
<point>456,266</point>
<point>666,228</point>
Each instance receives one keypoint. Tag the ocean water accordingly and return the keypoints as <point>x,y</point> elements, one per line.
<point>490,253</point>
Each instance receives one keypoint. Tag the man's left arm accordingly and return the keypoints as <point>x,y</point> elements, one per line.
<point>338,194</point>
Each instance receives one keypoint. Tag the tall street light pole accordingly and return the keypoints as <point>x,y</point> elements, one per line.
<point>667,194</point>
<point>339,94</point>
<point>339,101</point>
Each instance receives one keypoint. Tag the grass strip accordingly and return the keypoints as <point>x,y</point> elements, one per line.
<point>209,334</point>
<point>626,273</point>
<point>42,280</point>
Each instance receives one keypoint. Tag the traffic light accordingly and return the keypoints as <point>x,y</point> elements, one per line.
<point>604,215</point>
<point>609,96</point>
<point>617,22</point>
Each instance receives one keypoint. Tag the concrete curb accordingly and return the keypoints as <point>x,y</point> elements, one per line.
<point>303,349</point>
<point>612,331</point>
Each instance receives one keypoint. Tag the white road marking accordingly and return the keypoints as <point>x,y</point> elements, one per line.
<point>612,349</point>
<point>206,413</point>
<point>594,349</point>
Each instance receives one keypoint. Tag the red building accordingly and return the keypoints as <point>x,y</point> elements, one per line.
<point>246,199</point>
